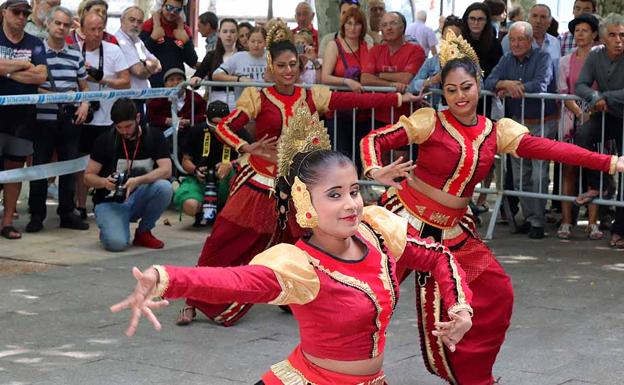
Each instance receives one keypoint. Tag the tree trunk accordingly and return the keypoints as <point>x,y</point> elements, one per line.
<point>327,15</point>
<point>146,6</point>
<point>606,7</point>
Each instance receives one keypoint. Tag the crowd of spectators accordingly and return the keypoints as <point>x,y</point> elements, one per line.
<point>44,47</point>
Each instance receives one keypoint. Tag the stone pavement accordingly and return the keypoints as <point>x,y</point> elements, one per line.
<point>55,326</point>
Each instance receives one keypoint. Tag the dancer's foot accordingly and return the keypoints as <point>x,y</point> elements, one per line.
<point>187,315</point>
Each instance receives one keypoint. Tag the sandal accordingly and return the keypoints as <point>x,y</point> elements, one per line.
<point>185,318</point>
<point>616,241</point>
<point>10,232</point>
<point>565,231</point>
<point>595,234</point>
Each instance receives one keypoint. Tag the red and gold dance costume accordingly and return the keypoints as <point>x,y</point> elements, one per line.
<point>313,282</point>
<point>453,158</point>
<point>248,223</point>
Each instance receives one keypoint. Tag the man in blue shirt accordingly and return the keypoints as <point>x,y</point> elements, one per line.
<point>540,18</point>
<point>527,70</point>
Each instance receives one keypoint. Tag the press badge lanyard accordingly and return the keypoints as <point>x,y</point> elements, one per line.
<point>136,149</point>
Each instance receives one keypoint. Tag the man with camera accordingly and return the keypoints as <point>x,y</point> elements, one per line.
<point>107,70</point>
<point>129,168</point>
<point>58,125</point>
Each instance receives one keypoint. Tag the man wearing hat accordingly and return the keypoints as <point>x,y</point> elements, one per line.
<point>22,70</point>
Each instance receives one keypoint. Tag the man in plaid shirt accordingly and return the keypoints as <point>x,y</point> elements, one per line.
<point>567,39</point>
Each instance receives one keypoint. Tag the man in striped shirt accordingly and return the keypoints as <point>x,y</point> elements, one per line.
<point>58,125</point>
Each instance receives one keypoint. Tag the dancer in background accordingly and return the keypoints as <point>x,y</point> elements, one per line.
<point>248,224</point>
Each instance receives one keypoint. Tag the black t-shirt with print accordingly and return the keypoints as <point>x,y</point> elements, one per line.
<point>204,147</point>
<point>108,150</point>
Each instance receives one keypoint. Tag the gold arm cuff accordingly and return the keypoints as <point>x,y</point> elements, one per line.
<point>293,271</point>
<point>613,165</point>
<point>508,135</point>
<point>420,125</point>
<point>391,227</point>
<point>163,282</point>
<point>321,95</point>
<point>459,307</point>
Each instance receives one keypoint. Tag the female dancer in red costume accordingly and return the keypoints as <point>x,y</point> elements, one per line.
<point>348,260</point>
<point>248,224</point>
<point>456,151</point>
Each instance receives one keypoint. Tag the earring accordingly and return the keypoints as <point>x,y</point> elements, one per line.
<point>306,215</point>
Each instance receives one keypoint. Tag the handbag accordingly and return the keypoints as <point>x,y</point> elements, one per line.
<point>351,72</point>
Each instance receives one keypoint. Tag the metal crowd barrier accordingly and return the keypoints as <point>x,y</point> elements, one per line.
<point>61,168</point>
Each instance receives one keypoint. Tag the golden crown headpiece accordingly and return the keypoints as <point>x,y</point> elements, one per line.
<point>455,47</point>
<point>303,133</point>
<point>277,31</point>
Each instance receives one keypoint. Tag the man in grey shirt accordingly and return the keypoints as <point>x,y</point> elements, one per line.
<point>605,67</point>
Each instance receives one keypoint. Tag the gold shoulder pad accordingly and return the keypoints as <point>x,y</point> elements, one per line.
<point>321,95</point>
<point>295,274</point>
<point>249,102</point>
<point>508,135</point>
<point>420,125</point>
<point>391,227</point>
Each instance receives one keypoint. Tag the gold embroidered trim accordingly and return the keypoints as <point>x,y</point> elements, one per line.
<point>476,144</point>
<point>385,276</point>
<point>219,319</point>
<point>424,316</point>
<point>287,373</point>
<point>249,102</point>
<point>163,282</point>
<point>367,147</point>
<point>417,223</point>
<point>391,227</point>
<point>363,287</point>
<point>223,129</point>
<point>282,107</point>
<point>437,305</point>
<point>419,217</point>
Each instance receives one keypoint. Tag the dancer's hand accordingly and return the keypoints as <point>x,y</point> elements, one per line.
<point>397,169</point>
<point>140,301</point>
<point>265,147</point>
<point>453,331</point>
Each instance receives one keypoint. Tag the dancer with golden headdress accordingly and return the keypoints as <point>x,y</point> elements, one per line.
<point>456,151</point>
<point>347,259</point>
<point>248,224</point>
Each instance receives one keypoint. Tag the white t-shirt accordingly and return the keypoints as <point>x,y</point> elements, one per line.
<point>243,64</point>
<point>134,52</point>
<point>114,61</point>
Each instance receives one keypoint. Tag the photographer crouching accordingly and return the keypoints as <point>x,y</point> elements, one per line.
<point>129,168</point>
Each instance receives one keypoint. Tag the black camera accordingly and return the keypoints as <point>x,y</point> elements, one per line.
<point>67,112</point>
<point>119,193</point>
<point>95,73</point>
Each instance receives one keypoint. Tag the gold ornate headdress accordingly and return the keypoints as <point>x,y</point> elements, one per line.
<point>305,133</point>
<point>455,47</point>
<point>277,31</point>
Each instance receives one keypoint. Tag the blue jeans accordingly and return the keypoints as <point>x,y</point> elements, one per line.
<point>146,203</point>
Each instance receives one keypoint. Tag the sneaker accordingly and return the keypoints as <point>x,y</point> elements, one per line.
<point>74,222</point>
<point>35,225</point>
<point>147,239</point>
<point>524,228</point>
<point>199,220</point>
<point>536,232</point>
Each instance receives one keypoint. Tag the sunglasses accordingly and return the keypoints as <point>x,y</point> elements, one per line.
<point>355,2</point>
<point>173,9</point>
<point>23,12</point>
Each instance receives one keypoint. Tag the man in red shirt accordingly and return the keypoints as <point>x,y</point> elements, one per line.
<point>304,16</point>
<point>392,64</point>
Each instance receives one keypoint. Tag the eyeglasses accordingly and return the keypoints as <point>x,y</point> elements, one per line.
<point>23,12</point>
<point>473,19</point>
<point>392,23</point>
<point>173,9</point>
